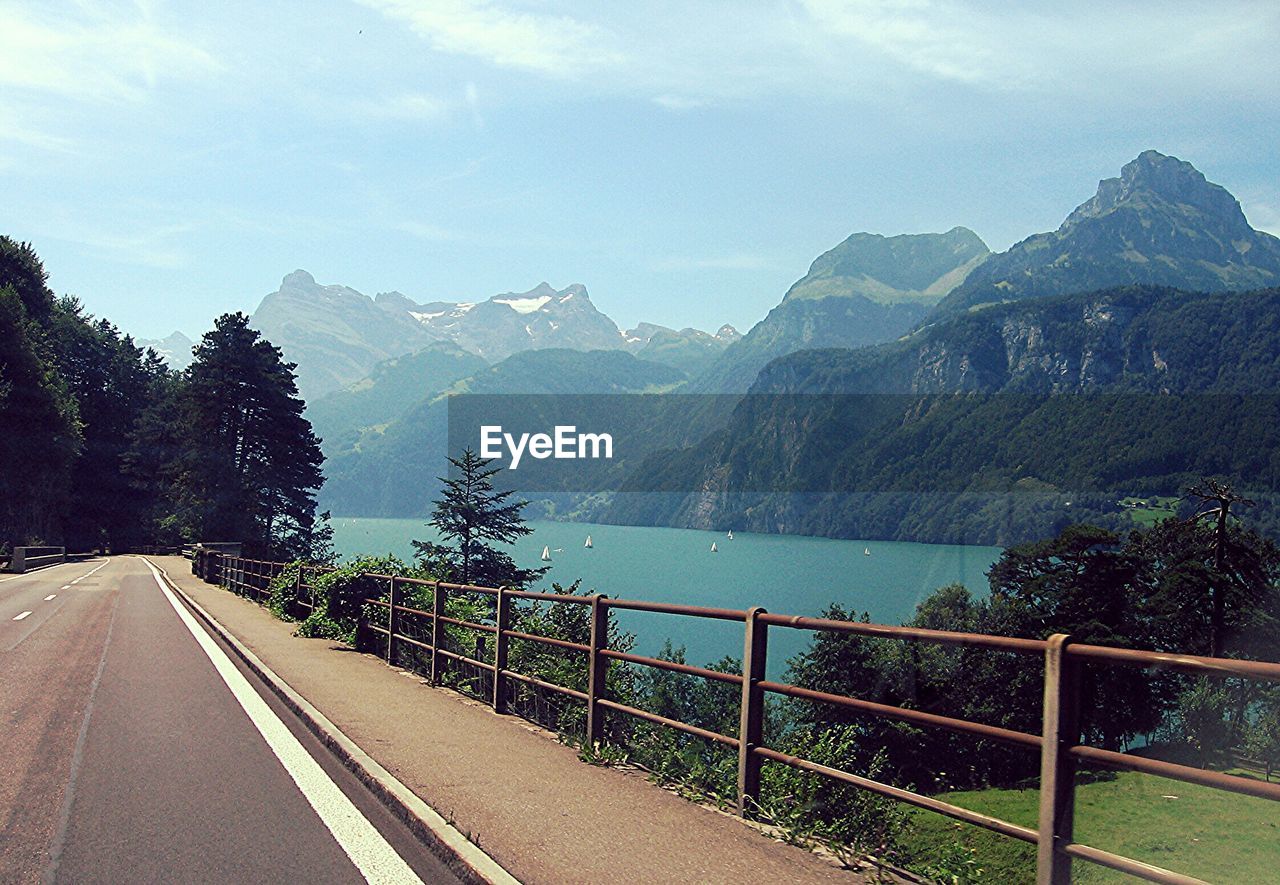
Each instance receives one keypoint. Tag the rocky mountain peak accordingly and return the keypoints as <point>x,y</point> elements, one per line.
<point>1156,177</point>
<point>296,279</point>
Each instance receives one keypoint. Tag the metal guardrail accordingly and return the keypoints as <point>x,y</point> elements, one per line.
<point>1060,754</point>
<point>24,559</point>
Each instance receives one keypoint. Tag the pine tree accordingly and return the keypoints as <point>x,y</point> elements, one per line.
<point>251,464</point>
<point>471,515</point>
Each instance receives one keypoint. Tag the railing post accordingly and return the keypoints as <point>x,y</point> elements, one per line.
<point>755,649</point>
<point>391,623</point>
<point>503,621</point>
<point>597,666</point>
<point>297,591</point>
<point>437,631</point>
<point>1060,731</point>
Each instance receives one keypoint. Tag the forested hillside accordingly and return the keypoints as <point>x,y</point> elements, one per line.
<point>998,426</point>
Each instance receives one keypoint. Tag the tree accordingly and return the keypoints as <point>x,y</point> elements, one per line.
<point>472,515</point>
<point>40,432</point>
<point>1218,497</point>
<point>250,463</point>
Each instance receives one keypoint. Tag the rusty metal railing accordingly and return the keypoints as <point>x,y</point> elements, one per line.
<point>1057,744</point>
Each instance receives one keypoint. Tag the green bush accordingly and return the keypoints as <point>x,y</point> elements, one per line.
<point>340,596</point>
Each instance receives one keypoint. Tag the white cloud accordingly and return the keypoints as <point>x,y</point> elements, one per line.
<point>679,102</point>
<point>557,45</point>
<point>682,56</point>
<point>150,248</point>
<point>92,52</point>
<point>733,261</point>
<point>423,231</point>
<point>407,106</point>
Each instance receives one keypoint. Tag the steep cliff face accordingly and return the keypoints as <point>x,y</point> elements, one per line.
<point>1071,398</point>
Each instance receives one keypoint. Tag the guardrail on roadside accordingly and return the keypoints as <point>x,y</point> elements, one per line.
<point>24,559</point>
<point>1057,745</point>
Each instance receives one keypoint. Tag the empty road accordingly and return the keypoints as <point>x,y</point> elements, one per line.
<point>134,749</point>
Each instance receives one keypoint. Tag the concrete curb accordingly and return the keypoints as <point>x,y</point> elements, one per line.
<point>463,857</point>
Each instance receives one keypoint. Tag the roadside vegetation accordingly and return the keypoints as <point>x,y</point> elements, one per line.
<point>1153,588</point>
<point>104,446</point>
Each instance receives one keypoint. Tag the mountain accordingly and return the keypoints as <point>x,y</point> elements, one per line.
<point>690,350</point>
<point>512,322</point>
<point>175,349</point>
<point>392,470</point>
<point>343,417</point>
<point>335,334</point>
<point>1160,223</point>
<point>867,290</point>
<point>993,426</point>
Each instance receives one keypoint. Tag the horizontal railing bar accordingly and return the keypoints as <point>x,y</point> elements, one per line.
<point>550,597</point>
<point>1230,782</point>
<point>1128,865</point>
<point>1186,663</point>
<point>376,629</point>
<point>466,588</point>
<point>458,622</point>
<point>414,611</point>
<point>673,666</point>
<point>994,732</point>
<point>926,802</point>
<point>667,608</point>
<point>546,640</point>
<point>457,657</point>
<point>542,683</point>
<point>943,637</point>
<point>670,723</point>
<point>381,603</point>
<point>400,637</point>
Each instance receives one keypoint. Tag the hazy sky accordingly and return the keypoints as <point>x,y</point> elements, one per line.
<point>686,161</point>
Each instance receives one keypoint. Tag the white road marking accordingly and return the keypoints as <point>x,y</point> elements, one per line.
<point>65,587</point>
<point>376,860</point>
<point>21,616</point>
<point>52,595</point>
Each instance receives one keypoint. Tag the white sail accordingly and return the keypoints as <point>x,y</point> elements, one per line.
<point>713,547</point>
<point>546,554</point>
<point>730,534</point>
<point>588,544</point>
<point>866,551</point>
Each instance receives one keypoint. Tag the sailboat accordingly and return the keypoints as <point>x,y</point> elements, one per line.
<point>866,551</point>
<point>713,547</point>
<point>730,534</point>
<point>588,545</point>
<point>546,554</point>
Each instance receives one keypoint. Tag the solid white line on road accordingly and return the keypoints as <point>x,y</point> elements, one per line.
<point>376,860</point>
<point>52,595</point>
<point>21,616</point>
<point>65,587</point>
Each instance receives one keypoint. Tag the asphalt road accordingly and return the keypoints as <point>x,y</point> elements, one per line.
<point>134,749</point>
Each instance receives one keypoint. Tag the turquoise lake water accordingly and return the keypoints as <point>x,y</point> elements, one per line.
<point>785,574</point>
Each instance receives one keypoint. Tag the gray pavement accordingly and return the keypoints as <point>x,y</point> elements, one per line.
<point>126,756</point>
<point>527,799</point>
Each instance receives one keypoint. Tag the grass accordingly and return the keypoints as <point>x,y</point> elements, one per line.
<point>1209,834</point>
<point>1158,508</point>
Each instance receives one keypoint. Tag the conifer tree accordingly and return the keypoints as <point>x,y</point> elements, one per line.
<point>251,466</point>
<point>472,516</point>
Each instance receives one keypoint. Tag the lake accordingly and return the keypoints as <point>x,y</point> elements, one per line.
<point>786,574</point>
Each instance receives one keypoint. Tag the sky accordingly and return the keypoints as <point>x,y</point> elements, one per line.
<point>686,161</point>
